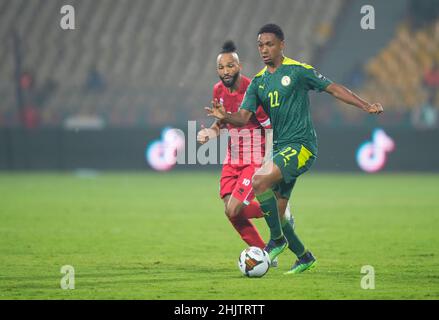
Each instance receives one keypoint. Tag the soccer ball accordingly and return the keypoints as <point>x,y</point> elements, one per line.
<point>254,262</point>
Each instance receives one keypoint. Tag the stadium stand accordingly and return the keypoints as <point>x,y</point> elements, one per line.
<point>397,73</point>
<point>404,74</point>
<point>134,62</point>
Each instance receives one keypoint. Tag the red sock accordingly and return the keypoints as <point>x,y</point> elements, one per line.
<point>253,210</point>
<point>247,231</point>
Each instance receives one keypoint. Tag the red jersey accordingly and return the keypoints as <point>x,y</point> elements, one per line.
<point>246,144</point>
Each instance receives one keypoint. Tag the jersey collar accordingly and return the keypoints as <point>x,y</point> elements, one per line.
<point>286,62</point>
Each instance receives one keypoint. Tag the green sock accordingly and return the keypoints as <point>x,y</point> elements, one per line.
<point>294,243</point>
<point>268,203</point>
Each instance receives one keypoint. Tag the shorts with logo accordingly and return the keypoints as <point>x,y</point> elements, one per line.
<point>293,159</point>
<point>236,180</point>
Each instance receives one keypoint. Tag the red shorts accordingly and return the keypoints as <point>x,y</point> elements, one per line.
<point>237,181</point>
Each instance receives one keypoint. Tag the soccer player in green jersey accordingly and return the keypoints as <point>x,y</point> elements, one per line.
<point>282,89</point>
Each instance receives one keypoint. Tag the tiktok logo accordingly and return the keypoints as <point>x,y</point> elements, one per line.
<point>162,154</point>
<point>372,155</point>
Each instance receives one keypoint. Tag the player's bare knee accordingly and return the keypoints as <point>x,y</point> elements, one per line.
<point>227,210</point>
<point>232,211</point>
<point>226,202</point>
<point>259,185</point>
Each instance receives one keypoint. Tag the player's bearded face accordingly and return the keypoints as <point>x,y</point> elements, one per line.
<point>228,69</point>
<point>229,80</point>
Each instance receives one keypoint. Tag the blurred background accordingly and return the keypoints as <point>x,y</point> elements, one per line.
<point>99,95</point>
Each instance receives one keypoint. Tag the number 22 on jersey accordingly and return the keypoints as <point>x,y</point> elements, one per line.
<point>274,99</point>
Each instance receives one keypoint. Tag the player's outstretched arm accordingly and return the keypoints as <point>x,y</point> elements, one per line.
<point>237,119</point>
<point>344,94</point>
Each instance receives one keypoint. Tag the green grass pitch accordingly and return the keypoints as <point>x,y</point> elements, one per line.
<point>165,236</point>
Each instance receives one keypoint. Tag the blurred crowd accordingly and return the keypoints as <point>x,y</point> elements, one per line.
<point>404,74</point>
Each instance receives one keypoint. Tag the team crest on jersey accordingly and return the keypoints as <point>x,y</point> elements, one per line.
<point>286,80</point>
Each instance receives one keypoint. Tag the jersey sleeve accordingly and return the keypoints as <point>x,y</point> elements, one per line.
<point>313,80</point>
<point>262,117</point>
<point>251,100</point>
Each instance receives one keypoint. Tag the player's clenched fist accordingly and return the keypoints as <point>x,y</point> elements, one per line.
<point>217,111</point>
<point>375,108</point>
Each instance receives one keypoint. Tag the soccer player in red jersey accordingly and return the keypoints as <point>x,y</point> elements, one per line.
<point>240,163</point>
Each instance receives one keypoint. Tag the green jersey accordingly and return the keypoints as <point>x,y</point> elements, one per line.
<point>284,97</point>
